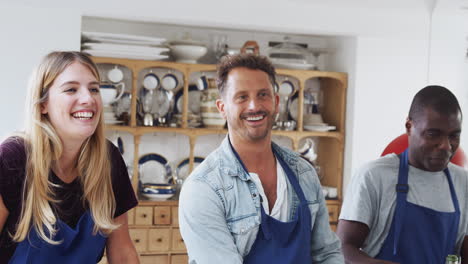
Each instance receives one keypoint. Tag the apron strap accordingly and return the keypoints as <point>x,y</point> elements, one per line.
<point>401,189</point>
<point>292,178</point>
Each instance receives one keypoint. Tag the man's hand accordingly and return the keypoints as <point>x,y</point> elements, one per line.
<point>352,235</point>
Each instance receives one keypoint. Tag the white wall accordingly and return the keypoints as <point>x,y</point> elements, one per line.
<point>27,35</point>
<point>448,63</point>
<point>390,58</point>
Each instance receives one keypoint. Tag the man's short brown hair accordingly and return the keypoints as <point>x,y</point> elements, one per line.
<point>250,61</point>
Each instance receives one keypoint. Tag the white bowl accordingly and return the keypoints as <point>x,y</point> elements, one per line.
<point>211,115</point>
<point>214,122</point>
<point>157,197</point>
<point>188,53</point>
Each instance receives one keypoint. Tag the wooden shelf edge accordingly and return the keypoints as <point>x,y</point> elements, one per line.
<point>153,203</point>
<point>140,130</point>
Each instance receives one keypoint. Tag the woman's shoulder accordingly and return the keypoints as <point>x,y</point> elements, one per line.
<point>13,151</point>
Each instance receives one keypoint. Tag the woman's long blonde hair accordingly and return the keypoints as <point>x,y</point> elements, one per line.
<point>44,148</point>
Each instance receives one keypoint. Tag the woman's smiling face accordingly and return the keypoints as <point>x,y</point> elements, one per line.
<point>74,104</point>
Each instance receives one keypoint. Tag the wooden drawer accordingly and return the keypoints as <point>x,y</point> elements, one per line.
<point>144,215</point>
<point>175,216</point>
<point>177,241</point>
<point>131,216</point>
<point>139,238</point>
<point>179,259</point>
<point>162,215</point>
<point>156,259</point>
<point>159,239</point>
<point>333,211</point>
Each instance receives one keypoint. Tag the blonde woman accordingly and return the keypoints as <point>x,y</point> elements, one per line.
<point>64,189</point>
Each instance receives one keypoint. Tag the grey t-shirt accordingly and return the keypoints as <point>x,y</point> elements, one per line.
<point>371,197</point>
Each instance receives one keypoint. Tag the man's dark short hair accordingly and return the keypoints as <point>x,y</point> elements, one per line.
<point>434,97</point>
<point>250,61</point>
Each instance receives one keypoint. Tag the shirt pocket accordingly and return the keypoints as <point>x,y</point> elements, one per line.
<point>244,232</point>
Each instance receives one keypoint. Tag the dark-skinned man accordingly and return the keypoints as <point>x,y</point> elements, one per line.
<point>411,208</point>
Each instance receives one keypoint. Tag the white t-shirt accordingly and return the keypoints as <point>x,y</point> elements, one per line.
<point>280,209</point>
<point>371,197</point>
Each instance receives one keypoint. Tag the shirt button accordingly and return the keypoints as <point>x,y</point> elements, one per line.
<point>254,195</point>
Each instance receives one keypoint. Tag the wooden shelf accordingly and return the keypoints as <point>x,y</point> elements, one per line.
<point>145,218</point>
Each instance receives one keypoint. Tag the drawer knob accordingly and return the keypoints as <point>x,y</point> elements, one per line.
<point>159,239</point>
<point>137,240</point>
<point>163,215</point>
<point>144,215</point>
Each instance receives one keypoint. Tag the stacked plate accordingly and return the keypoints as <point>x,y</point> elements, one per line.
<point>113,45</point>
<point>194,120</point>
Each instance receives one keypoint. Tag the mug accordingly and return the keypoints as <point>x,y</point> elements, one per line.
<point>109,92</point>
<point>151,81</point>
<point>202,83</point>
<point>169,82</point>
<point>307,150</point>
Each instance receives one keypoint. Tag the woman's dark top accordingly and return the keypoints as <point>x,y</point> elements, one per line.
<point>70,208</point>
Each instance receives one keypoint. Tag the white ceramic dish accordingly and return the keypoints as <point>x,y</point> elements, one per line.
<point>169,82</point>
<point>193,103</point>
<point>123,38</point>
<point>286,88</point>
<point>125,55</point>
<point>157,197</point>
<point>319,128</point>
<point>183,167</point>
<point>115,75</point>
<point>293,108</point>
<point>214,122</point>
<point>293,65</point>
<point>208,115</point>
<point>188,53</point>
<point>125,48</point>
<point>152,169</point>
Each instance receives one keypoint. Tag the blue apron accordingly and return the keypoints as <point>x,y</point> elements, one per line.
<point>419,234</point>
<point>283,242</point>
<point>79,245</point>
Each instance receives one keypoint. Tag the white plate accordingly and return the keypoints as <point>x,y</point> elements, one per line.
<point>293,108</point>
<point>320,128</point>
<point>125,48</point>
<point>123,38</point>
<point>183,167</point>
<point>158,197</point>
<point>125,55</point>
<point>293,65</point>
<point>152,169</point>
<point>193,103</point>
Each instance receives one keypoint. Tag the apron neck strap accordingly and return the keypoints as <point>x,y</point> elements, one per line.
<point>289,173</point>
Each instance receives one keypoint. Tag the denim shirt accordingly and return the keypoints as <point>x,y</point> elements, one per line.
<point>219,209</point>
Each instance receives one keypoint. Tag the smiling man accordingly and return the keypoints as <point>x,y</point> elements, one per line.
<point>411,208</point>
<point>252,201</point>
